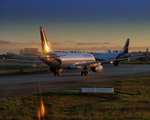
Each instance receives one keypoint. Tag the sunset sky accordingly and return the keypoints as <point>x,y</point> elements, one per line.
<point>81,25</point>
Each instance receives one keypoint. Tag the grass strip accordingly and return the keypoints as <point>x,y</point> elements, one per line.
<point>8,69</point>
<point>131,100</point>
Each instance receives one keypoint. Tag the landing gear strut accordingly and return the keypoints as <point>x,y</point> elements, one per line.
<point>85,71</point>
<point>56,73</point>
<point>116,63</point>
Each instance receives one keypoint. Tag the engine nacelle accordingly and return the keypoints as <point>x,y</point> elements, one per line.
<point>97,68</point>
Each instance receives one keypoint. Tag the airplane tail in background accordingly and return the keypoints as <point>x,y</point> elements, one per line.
<point>44,43</point>
<point>126,46</point>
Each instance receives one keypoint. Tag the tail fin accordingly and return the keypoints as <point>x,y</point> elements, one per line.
<point>126,46</point>
<point>44,43</point>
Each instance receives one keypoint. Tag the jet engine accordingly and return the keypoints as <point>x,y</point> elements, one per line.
<point>97,68</point>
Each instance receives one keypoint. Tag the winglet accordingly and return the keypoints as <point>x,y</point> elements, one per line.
<point>44,43</point>
<point>126,46</point>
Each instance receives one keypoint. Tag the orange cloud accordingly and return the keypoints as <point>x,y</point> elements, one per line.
<point>52,42</point>
<point>70,41</point>
<point>97,43</point>
<point>67,45</point>
<point>5,42</point>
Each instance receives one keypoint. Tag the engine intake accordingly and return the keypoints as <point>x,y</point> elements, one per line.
<point>97,68</point>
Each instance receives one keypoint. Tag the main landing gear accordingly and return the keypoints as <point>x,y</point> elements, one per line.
<point>55,71</point>
<point>85,71</point>
<point>116,63</point>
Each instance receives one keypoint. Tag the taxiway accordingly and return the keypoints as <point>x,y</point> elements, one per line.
<point>19,85</point>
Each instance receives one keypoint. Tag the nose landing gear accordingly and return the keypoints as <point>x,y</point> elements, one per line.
<point>85,71</point>
<point>55,71</point>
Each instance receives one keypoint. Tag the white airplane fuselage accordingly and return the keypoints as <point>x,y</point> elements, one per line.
<point>66,60</point>
<point>105,56</point>
<point>109,56</point>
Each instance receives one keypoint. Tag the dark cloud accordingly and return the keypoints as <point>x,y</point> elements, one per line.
<point>99,49</point>
<point>17,43</point>
<point>34,43</point>
<point>107,43</point>
<point>139,48</point>
<point>52,42</point>
<point>7,46</point>
<point>5,42</point>
<point>70,49</point>
<point>119,48</point>
<point>104,48</point>
<point>70,41</point>
<point>97,43</point>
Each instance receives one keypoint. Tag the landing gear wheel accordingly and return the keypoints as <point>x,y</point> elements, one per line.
<point>55,73</point>
<point>58,73</point>
<point>116,63</point>
<point>85,71</point>
<point>82,73</point>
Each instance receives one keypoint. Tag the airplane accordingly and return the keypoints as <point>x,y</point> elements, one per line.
<point>114,58</point>
<point>59,61</point>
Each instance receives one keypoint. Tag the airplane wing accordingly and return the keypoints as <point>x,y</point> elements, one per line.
<point>80,65</point>
<point>91,64</point>
<point>95,66</point>
<point>112,61</point>
<point>23,61</point>
<point>123,59</point>
<point>136,57</point>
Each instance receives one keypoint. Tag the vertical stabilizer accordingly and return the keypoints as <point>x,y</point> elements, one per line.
<point>44,43</point>
<point>126,46</point>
